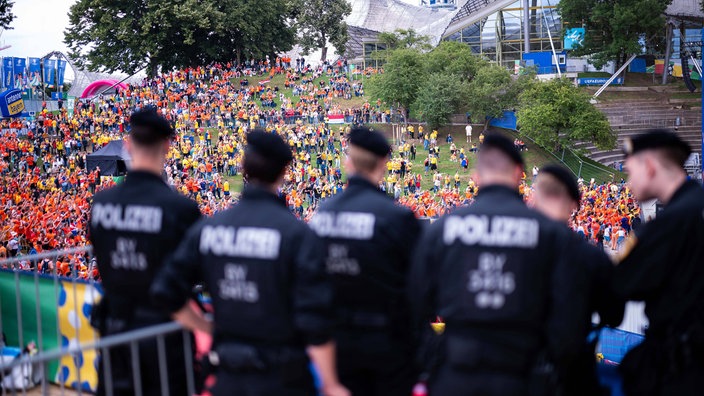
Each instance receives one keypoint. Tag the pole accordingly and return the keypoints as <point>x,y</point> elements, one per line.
<point>552,45</point>
<point>668,49</point>
<point>526,26</point>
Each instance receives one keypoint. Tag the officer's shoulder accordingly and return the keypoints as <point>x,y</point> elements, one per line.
<point>111,194</point>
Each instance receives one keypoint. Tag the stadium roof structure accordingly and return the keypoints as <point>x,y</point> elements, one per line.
<point>688,11</point>
<point>371,17</point>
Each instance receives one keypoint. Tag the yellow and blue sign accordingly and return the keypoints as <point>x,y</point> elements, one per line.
<point>11,103</point>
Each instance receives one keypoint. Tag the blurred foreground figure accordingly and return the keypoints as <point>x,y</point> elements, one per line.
<point>499,274</point>
<point>663,265</point>
<point>271,297</point>
<point>133,227</point>
<point>369,242</point>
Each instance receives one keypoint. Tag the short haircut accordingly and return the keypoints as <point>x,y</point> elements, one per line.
<point>259,168</point>
<point>494,160</point>
<point>148,128</point>
<point>363,161</point>
<point>672,156</point>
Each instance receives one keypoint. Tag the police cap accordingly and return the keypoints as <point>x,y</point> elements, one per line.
<point>369,140</point>
<point>565,177</point>
<point>656,139</point>
<point>149,127</point>
<point>270,146</point>
<point>503,144</point>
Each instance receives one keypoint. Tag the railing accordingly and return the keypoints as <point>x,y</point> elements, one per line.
<point>53,311</point>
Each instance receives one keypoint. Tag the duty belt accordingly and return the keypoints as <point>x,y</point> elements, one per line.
<point>372,320</point>
<point>238,357</point>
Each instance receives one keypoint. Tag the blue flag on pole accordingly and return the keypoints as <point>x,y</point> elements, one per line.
<point>60,72</point>
<point>34,69</point>
<point>49,71</point>
<point>8,74</point>
<point>20,72</point>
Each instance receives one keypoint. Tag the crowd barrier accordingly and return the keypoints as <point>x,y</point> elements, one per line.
<point>49,343</point>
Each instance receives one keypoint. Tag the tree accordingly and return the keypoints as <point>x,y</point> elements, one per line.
<point>490,92</point>
<point>556,114</point>
<point>322,21</point>
<point>616,29</point>
<point>6,15</point>
<point>131,35</point>
<point>456,59</point>
<point>400,82</point>
<point>405,38</point>
<point>439,97</point>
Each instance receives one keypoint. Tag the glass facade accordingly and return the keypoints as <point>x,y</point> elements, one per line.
<point>370,58</point>
<point>499,37</point>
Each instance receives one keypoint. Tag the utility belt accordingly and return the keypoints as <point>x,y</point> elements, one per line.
<point>471,354</point>
<point>368,320</point>
<point>235,357</point>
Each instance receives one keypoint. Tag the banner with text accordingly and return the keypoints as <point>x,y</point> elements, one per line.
<point>35,67</point>
<point>60,72</point>
<point>20,70</point>
<point>49,71</point>
<point>8,74</point>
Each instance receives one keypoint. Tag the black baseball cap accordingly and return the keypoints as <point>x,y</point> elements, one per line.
<point>565,177</point>
<point>369,140</point>
<point>505,145</point>
<point>656,139</point>
<point>147,126</point>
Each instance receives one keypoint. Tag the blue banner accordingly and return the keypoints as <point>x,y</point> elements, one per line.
<point>11,103</point>
<point>60,72</point>
<point>507,121</point>
<point>34,69</point>
<point>49,71</point>
<point>8,74</point>
<point>20,72</point>
<point>599,81</point>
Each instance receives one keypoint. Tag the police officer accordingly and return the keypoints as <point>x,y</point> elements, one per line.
<point>369,242</point>
<point>663,265</point>
<point>557,195</point>
<point>270,294</point>
<point>497,273</point>
<point>132,228</point>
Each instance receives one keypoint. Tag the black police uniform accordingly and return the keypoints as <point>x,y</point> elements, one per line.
<point>270,294</point>
<point>664,266</point>
<point>369,243</point>
<point>580,377</point>
<point>133,227</point>
<point>497,273</point>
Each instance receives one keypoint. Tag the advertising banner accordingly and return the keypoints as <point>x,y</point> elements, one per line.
<point>11,103</point>
<point>35,68</point>
<point>20,70</point>
<point>49,71</point>
<point>60,72</point>
<point>599,81</point>
<point>8,74</point>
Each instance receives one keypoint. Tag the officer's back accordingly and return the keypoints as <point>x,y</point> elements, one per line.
<point>496,273</point>
<point>369,243</point>
<point>556,195</point>
<point>133,227</point>
<point>271,297</point>
<point>662,265</point>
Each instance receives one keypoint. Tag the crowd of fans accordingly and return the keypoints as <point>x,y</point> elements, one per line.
<point>46,188</point>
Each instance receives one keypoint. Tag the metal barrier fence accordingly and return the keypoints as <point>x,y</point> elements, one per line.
<point>40,306</point>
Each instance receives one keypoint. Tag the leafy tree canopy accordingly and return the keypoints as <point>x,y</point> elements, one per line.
<point>322,21</point>
<point>616,29</point>
<point>557,114</point>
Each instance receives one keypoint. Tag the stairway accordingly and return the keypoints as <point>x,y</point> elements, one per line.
<point>629,117</point>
